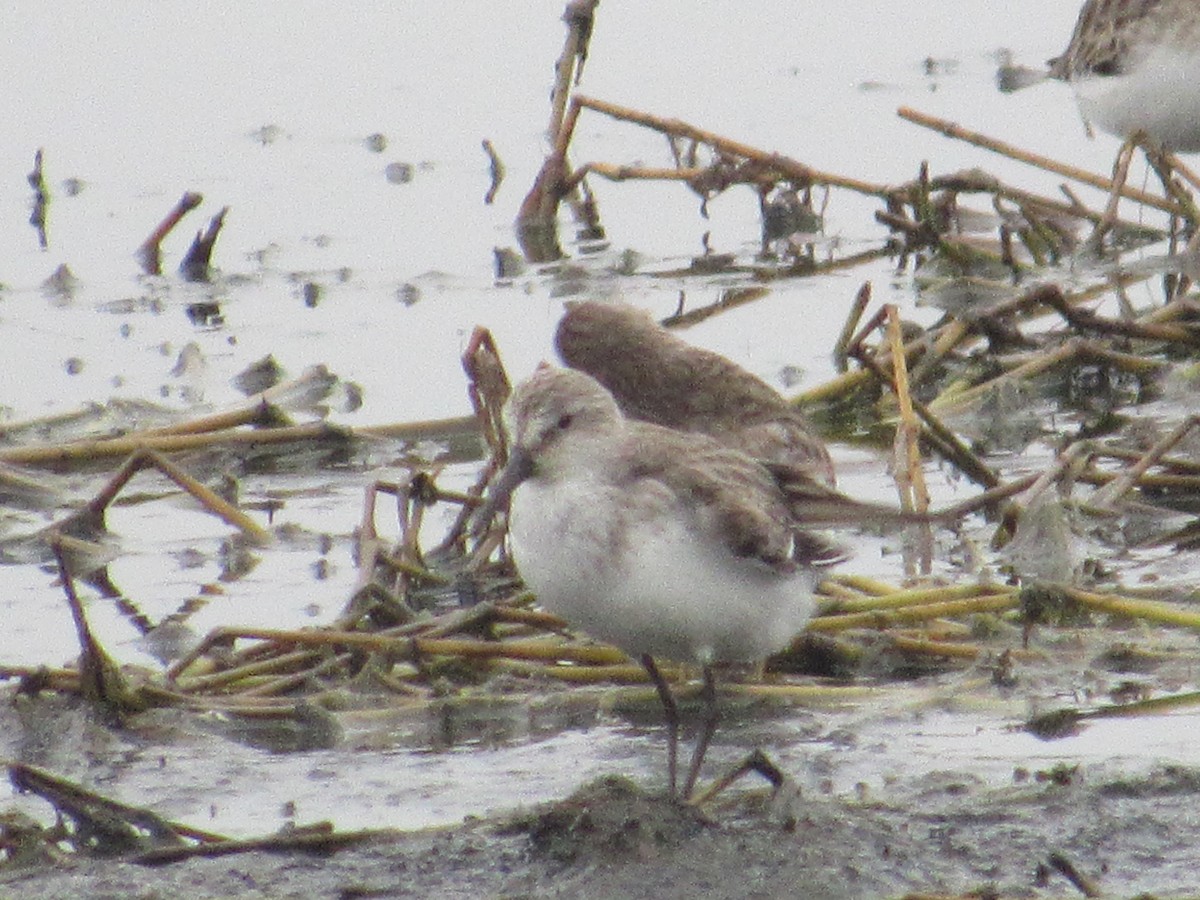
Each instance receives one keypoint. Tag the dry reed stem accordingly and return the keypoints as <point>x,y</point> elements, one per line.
<point>914,494</point>
<point>1084,320</point>
<point>1032,205</point>
<point>100,679</point>
<point>585,663</point>
<point>554,181</point>
<point>1119,183</point>
<point>579,16</point>
<point>406,648</point>
<point>987,498</point>
<point>36,678</point>
<point>77,452</point>
<point>813,694</point>
<point>830,593</point>
<point>619,673</point>
<point>11,430</point>
<point>836,388</point>
<point>1183,170</point>
<point>771,162</point>
<point>488,387</point>
<point>941,630</point>
<point>224,429</point>
<point>841,346</point>
<point>1106,496</point>
<point>259,414</point>
<point>880,619</point>
<point>944,441</point>
<point>318,839</point>
<point>267,408</point>
<point>806,693</point>
<point>426,430</point>
<point>1074,350</point>
<point>149,254</point>
<point>284,683</point>
<point>1160,162</point>
<point>730,299</point>
<point>234,705</point>
<point>270,666</point>
<point>1150,610</point>
<point>844,384</point>
<point>143,458</point>
<point>1150,706</point>
<point>370,546</point>
<point>617,172</point>
<point>208,498</point>
<point>957,132</point>
<point>87,807</point>
<point>1175,463</point>
<point>531,617</point>
<point>863,584</point>
<point>926,647</point>
<point>954,333</point>
<point>899,599</point>
<point>1188,483</point>
<point>755,761</point>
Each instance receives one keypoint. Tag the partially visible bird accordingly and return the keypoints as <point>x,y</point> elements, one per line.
<point>1135,68</point>
<point>660,378</point>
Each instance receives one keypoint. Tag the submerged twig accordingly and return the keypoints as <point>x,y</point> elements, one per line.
<point>841,347</point>
<point>197,261</point>
<point>103,826</point>
<point>495,170</point>
<point>41,198</point>
<point>150,459</point>
<point>1118,487</point>
<point>149,254</point>
<point>100,680</point>
<point>319,838</point>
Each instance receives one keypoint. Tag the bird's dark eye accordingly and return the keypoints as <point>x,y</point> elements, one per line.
<point>564,421</point>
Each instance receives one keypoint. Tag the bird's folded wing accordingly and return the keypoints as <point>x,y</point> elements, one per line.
<point>731,496</point>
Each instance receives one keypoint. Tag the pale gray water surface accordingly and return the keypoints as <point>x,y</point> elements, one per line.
<point>267,108</point>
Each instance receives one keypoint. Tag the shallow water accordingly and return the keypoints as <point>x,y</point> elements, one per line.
<point>269,112</point>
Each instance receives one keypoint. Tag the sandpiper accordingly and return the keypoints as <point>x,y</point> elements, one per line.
<point>657,377</point>
<point>1135,67</point>
<point>663,542</point>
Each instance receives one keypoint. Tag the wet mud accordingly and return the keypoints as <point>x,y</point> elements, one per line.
<point>941,833</point>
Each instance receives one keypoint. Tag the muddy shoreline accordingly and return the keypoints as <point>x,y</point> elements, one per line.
<point>943,833</point>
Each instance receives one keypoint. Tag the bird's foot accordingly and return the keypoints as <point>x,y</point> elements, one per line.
<point>785,793</point>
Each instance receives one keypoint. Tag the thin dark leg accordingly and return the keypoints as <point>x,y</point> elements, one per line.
<point>709,695</point>
<point>672,711</point>
<point>1120,177</point>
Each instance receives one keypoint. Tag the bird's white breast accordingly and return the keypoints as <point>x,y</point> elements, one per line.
<point>639,570</point>
<point>1160,97</point>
